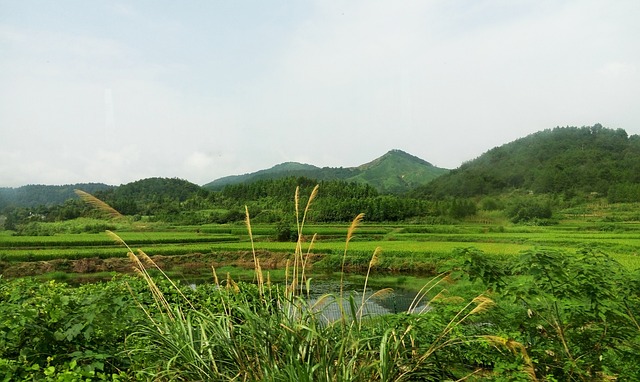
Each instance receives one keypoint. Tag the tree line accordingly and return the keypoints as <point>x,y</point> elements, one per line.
<point>270,201</point>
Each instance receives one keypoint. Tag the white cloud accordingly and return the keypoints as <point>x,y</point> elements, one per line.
<point>619,70</point>
<point>198,161</point>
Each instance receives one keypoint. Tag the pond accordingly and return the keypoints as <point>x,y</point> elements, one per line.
<point>386,295</point>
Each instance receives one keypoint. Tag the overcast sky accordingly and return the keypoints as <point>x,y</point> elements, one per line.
<point>116,91</point>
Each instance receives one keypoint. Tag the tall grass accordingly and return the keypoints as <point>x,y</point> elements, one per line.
<point>261,332</point>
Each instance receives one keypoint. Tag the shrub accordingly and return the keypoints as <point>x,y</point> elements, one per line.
<point>283,231</point>
<point>529,209</point>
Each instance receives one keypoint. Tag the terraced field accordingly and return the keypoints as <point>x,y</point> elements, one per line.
<point>418,248</point>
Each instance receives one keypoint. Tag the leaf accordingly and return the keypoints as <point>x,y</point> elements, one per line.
<point>74,331</point>
<point>49,371</point>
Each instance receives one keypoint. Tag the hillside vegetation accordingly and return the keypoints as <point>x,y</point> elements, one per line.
<point>564,160</point>
<point>37,194</point>
<point>148,195</point>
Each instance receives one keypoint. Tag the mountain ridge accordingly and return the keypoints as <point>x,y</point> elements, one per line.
<point>394,172</point>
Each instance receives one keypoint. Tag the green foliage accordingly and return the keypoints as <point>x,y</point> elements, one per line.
<point>624,193</point>
<point>280,171</point>
<point>338,201</point>
<point>576,314</point>
<point>152,196</point>
<point>35,195</point>
<point>84,327</point>
<point>490,204</point>
<point>284,232</point>
<point>69,227</point>
<point>397,172</point>
<point>461,208</point>
<point>528,209</point>
<point>280,339</point>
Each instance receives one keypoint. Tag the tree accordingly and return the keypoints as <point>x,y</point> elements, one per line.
<point>527,209</point>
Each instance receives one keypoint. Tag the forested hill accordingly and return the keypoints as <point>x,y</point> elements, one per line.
<point>282,170</point>
<point>395,172</point>
<point>143,196</point>
<point>37,194</point>
<point>561,160</point>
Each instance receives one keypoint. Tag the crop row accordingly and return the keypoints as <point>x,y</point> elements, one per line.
<point>93,240</point>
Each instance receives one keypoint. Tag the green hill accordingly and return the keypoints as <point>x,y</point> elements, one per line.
<point>145,195</point>
<point>279,171</point>
<point>37,194</point>
<point>563,160</point>
<point>395,172</point>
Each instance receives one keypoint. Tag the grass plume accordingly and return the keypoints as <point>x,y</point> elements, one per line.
<point>98,204</point>
<point>375,258</point>
<point>352,227</point>
<point>256,261</point>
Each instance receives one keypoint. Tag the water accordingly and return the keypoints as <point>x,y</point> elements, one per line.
<point>324,295</point>
<point>377,301</point>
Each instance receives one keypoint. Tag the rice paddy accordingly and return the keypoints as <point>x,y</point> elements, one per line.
<point>399,242</point>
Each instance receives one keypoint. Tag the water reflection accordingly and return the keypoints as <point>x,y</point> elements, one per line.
<point>396,300</point>
<point>377,301</point>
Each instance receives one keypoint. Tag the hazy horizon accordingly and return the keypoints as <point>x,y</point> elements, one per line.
<point>113,92</point>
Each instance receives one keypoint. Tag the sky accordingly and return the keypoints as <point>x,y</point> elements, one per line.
<point>117,91</point>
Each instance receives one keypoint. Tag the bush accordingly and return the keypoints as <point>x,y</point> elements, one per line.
<point>283,232</point>
<point>529,209</point>
<point>490,204</point>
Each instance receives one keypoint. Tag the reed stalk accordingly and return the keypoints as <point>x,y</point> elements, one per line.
<point>354,224</point>
<point>256,261</point>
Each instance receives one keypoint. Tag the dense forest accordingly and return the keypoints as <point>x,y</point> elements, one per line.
<point>283,170</point>
<point>564,160</point>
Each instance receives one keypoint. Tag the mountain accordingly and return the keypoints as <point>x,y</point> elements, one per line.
<point>568,160</point>
<point>394,172</point>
